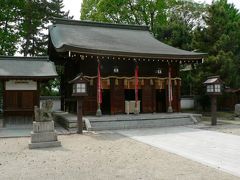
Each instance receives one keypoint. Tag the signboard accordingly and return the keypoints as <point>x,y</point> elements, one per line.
<point>21,85</point>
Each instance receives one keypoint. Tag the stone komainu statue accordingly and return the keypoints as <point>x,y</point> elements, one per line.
<point>45,113</point>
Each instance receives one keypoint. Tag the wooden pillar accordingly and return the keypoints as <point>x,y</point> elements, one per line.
<point>170,93</point>
<point>62,79</point>
<point>4,97</point>
<point>66,104</point>
<point>79,115</point>
<point>178,96</point>
<point>112,96</point>
<point>153,99</point>
<point>214,109</point>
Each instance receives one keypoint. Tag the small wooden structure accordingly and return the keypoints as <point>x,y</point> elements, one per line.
<point>83,46</point>
<point>21,78</point>
<point>79,90</point>
<point>214,88</point>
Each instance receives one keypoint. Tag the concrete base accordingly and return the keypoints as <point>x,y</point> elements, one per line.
<point>43,135</point>
<point>170,109</point>
<point>136,111</point>
<point>44,144</point>
<point>99,112</point>
<point>39,127</point>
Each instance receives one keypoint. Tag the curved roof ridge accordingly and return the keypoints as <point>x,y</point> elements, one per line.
<point>99,24</point>
<point>116,39</point>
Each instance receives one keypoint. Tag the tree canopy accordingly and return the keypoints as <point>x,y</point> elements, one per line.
<point>23,25</point>
<point>220,39</point>
<point>10,20</point>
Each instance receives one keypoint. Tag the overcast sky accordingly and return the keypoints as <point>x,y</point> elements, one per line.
<point>74,6</point>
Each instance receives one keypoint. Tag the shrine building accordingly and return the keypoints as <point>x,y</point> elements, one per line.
<point>21,78</point>
<point>134,68</point>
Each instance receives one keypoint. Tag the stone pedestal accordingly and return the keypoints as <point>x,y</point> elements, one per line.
<point>43,135</point>
<point>237,110</point>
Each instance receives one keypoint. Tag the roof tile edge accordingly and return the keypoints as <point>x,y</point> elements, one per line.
<point>37,58</point>
<point>99,24</point>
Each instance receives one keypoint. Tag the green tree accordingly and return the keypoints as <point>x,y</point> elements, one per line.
<point>37,14</point>
<point>220,39</point>
<point>10,16</point>
<point>182,18</point>
<point>140,12</point>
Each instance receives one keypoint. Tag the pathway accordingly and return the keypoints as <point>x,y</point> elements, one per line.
<point>215,149</point>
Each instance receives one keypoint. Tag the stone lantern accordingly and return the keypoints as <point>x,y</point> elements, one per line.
<point>214,86</point>
<point>79,90</point>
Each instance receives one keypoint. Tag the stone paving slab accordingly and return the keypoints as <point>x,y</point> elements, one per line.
<point>215,149</point>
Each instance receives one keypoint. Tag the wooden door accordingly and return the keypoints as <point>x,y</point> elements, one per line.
<point>161,100</point>
<point>27,100</point>
<point>20,102</point>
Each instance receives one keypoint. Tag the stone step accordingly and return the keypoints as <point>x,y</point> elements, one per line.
<point>112,122</point>
<point>97,125</point>
<point>67,120</point>
<point>144,123</point>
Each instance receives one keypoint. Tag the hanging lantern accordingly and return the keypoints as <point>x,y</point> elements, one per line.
<point>116,69</point>
<point>158,71</point>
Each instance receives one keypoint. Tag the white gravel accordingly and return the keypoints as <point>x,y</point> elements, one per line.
<point>98,156</point>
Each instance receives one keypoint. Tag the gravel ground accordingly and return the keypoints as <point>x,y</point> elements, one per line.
<point>98,156</point>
